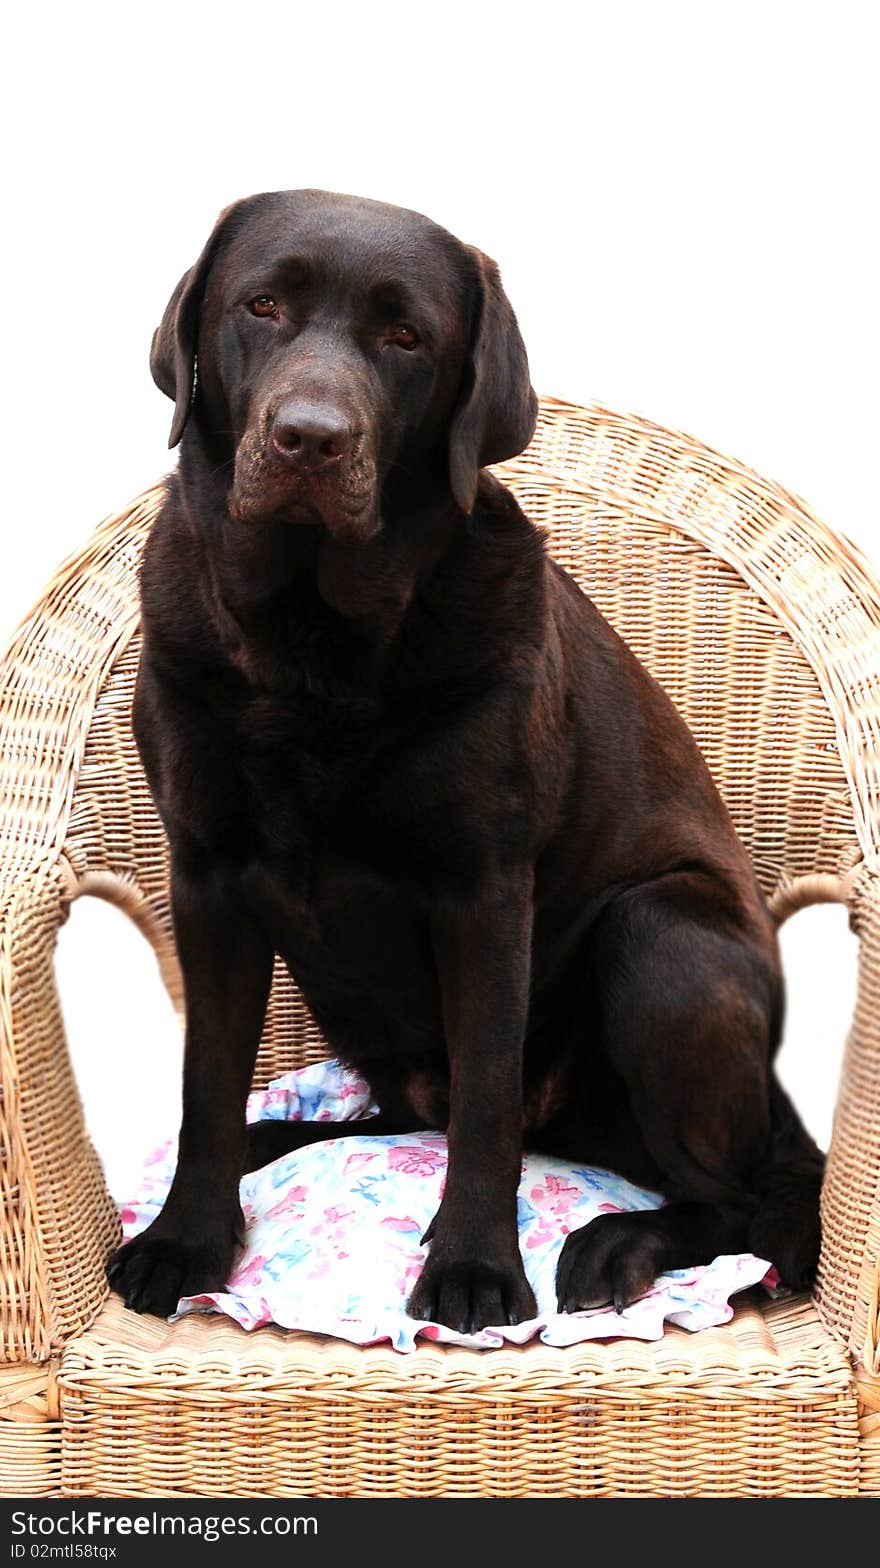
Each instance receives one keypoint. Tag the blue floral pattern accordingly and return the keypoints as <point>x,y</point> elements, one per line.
<point>333,1233</point>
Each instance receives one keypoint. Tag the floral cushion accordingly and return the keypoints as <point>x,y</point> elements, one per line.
<point>333,1233</point>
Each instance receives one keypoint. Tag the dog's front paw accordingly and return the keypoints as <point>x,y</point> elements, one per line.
<point>152,1272</point>
<point>469,1296</point>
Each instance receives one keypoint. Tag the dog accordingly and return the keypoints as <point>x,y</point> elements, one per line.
<point>392,741</point>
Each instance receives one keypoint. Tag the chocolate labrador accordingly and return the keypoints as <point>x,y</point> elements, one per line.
<point>392,741</point>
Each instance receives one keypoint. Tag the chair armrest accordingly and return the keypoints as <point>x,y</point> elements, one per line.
<point>848,1291</point>
<point>57,1221</point>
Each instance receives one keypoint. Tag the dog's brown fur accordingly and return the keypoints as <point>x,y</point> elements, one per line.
<point>391,740</point>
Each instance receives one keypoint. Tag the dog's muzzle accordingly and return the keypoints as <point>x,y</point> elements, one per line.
<point>306,463</point>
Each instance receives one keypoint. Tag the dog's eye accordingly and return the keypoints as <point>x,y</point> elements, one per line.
<point>263,305</point>
<point>403,335</point>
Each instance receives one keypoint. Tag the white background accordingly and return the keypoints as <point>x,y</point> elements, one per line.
<point>683,200</point>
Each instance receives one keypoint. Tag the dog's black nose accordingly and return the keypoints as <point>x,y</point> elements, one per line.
<point>308,436</point>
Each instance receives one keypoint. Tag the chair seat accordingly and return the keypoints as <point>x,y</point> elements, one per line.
<point>30,1431</point>
<point>763,1406</point>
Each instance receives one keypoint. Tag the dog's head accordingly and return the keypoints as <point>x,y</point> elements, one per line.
<point>328,347</point>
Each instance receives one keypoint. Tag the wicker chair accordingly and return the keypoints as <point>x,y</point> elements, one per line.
<point>764,627</point>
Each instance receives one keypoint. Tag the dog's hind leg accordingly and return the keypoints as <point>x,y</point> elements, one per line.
<point>785,1228</point>
<point>268,1141</point>
<point>689,1008</point>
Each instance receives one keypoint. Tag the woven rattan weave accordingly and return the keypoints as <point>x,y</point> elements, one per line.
<point>764,627</point>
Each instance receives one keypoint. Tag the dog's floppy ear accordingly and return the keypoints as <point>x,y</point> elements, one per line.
<point>497,409</point>
<point>173,350</point>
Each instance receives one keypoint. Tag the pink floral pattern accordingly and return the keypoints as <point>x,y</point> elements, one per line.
<point>333,1233</point>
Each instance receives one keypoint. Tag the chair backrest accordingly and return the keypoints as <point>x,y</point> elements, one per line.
<point>702,566</point>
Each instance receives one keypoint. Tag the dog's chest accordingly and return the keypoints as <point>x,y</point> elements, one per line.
<point>343,804</point>
<point>340,865</point>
